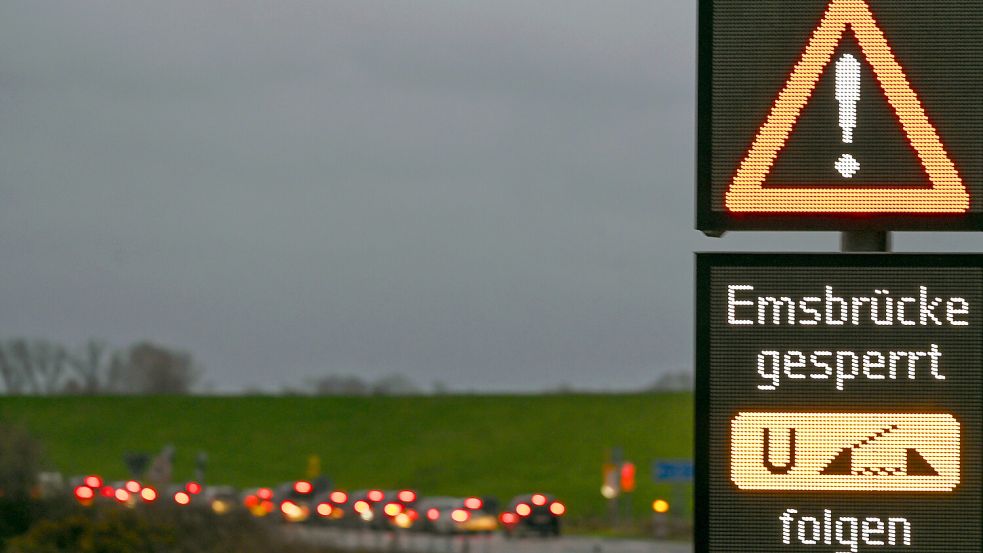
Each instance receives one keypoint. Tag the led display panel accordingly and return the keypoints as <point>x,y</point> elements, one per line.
<point>839,403</point>
<point>840,115</point>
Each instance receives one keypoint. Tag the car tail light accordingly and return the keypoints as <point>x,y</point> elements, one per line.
<point>294,512</point>
<point>523,510</point>
<point>339,497</point>
<point>303,487</point>
<point>473,503</point>
<point>193,488</point>
<point>433,514</point>
<point>251,501</point>
<point>392,509</point>
<point>460,515</point>
<point>268,506</point>
<point>133,486</point>
<point>361,506</point>
<point>509,518</point>
<point>407,496</point>
<point>375,496</point>
<point>182,498</point>
<point>403,520</point>
<point>265,494</point>
<point>93,481</point>
<point>148,494</point>
<point>84,493</point>
<point>122,495</point>
<point>324,509</point>
<point>558,508</point>
<point>412,514</point>
<point>539,499</point>
<point>107,491</point>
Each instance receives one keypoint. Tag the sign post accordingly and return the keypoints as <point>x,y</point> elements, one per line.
<point>679,474</point>
<point>839,403</point>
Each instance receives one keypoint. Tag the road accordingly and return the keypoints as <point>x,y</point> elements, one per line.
<point>494,543</point>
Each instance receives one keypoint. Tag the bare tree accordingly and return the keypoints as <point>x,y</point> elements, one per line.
<point>350,385</point>
<point>14,377</point>
<point>394,385</point>
<point>92,367</point>
<point>32,366</point>
<point>148,368</point>
<point>51,361</point>
<point>338,385</point>
<point>681,381</point>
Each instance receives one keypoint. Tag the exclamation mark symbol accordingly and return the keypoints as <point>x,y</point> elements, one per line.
<point>847,96</point>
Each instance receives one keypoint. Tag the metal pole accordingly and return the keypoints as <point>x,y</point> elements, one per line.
<point>865,241</point>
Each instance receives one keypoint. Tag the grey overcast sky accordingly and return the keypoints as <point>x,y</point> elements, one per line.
<point>494,194</point>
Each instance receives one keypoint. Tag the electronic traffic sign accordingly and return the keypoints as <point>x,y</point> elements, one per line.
<point>839,403</point>
<point>840,115</point>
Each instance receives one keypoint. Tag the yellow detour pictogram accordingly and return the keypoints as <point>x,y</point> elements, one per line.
<point>748,192</point>
<point>915,452</point>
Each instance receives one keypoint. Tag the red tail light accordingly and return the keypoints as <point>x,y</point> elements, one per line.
<point>324,509</point>
<point>122,495</point>
<point>407,496</point>
<point>473,503</point>
<point>265,494</point>
<point>84,493</point>
<point>251,501</point>
<point>523,510</point>
<point>509,518</point>
<point>303,487</point>
<point>339,497</point>
<point>375,496</point>
<point>93,481</point>
<point>148,494</point>
<point>182,498</point>
<point>539,500</point>
<point>460,515</point>
<point>433,514</point>
<point>268,506</point>
<point>107,491</point>
<point>133,486</point>
<point>361,506</point>
<point>193,488</point>
<point>557,508</point>
<point>412,514</point>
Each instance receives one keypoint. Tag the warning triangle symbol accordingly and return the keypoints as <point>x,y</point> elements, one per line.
<point>748,193</point>
<point>917,465</point>
<point>877,140</point>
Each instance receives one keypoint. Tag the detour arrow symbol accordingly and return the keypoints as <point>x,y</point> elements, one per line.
<point>845,451</point>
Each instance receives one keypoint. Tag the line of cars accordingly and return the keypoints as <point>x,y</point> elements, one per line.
<point>317,502</point>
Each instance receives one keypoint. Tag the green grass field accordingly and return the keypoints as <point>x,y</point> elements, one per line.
<point>489,445</point>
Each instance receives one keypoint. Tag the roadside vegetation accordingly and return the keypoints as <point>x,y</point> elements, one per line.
<point>162,529</point>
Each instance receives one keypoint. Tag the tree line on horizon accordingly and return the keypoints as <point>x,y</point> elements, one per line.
<point>43,367</point>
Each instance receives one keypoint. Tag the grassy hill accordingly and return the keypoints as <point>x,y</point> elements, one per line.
<point>495,445</point>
